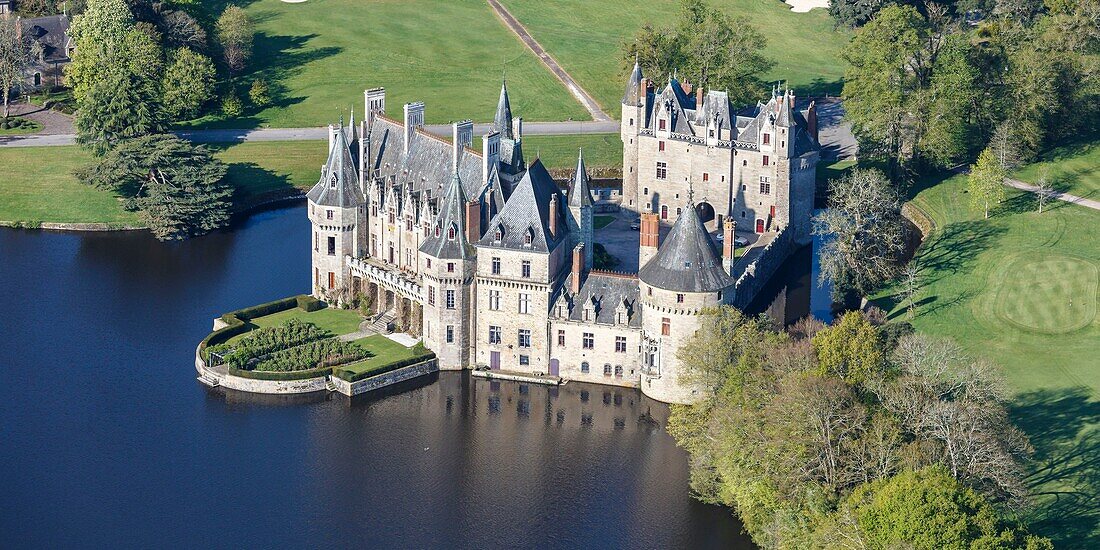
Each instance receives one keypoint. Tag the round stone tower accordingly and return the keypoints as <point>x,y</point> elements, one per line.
<point>336,215</point>
<point>684,277</point>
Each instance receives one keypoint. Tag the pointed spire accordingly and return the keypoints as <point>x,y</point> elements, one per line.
<point>579,192</point>
<point>448,236</point>
<point>687,259</point>
<point>338,185</point>
<point>503,120</point>
<point>633,94</point>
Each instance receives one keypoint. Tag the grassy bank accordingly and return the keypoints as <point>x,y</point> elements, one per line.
<point>39,185</point>
<point>586,38</point>
<point>1074,169</point>
<point>320,56</point>
<point>1020,289</point>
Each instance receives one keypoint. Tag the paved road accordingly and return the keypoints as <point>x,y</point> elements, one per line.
<point>296,134</point>
<point>1072,199</point>
<point>582,96</point>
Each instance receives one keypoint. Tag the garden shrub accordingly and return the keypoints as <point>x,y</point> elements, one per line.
<point>309,303</point>
<point>318,353</point>
<point>422,355</point>
<point>268,340</point>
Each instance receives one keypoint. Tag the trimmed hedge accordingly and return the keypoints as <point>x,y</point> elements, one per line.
<point>280,376</point>
<point>345,375</point>
<point>237,321</point>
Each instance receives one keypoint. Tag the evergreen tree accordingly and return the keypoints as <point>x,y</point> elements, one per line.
<point>118,106</point>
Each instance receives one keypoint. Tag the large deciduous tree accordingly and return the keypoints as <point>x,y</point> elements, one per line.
<point>707,48</point>
<point>188,83</point>
<point>863,230</point>
<point>15,57</point>
<point>234,34</point>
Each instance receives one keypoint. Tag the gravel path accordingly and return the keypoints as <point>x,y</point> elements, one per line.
<point>582,96</point>
<point>52,122</point>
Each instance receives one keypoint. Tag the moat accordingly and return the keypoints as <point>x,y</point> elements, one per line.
<point>110,441</point>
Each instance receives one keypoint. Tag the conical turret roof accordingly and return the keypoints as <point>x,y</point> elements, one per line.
<point>633,95</point>
<point>339,184</point>
<point>687,261</point>
<point>448,235</point>
<point>579,193</point>
<point>503,120</point>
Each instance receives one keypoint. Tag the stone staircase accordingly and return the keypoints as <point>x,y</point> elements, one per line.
<point>383,324</point>
<point>209,380</point>
<point>330,385</point>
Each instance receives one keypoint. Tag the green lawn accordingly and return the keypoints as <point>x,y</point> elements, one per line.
<point>600,222</point>
<point>1074,169</point>
<point>38,183</point>
<point>322,54</point>
<point>384,350</point>
<point>336,321</point>
<point>560,151</point>
<point>1020,290</point>
<point>25,127</point>
<point>586,38</point>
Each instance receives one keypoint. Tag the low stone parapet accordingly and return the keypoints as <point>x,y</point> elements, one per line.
<point>388,378</point>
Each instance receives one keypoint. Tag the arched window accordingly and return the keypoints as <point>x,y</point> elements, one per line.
<point>584,367</point>
<point>438,229</point>
<point>451,232</point>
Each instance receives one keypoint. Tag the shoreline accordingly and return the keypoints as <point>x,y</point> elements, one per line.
<point>251,207</point>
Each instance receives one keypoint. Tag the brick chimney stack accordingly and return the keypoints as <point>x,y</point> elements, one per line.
<point>728,246</point>
<point>699,98</point>
<point>649,238</point>
<point>578,268</point>
<point>473,221</point>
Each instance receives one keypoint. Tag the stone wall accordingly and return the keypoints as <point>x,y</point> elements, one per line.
<point>760,272</point>
<point>385,379</point>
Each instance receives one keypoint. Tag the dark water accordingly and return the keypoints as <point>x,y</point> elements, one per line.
<point>107,440</point>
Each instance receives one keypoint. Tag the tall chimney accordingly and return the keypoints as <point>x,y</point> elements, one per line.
<point>518,125</point>
<point>490,153</point>
<point>462,134</point>
<point>374,101</point>
<point>414,118</point>
<point>699,98</point>
<point>649,238</point>
<point>331,138</point>
<point>728,246</point>
<point>578,268</point>
<point>554,215</point>
<point>363,150</point>
<point>473,221</point>
<point>811,120</point>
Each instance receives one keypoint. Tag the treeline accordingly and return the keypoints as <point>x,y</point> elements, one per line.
<point>854,435</point>
<point>927,89</point>
<point>137,68</point>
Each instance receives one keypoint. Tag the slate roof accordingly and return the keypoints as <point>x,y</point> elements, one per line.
<point>672,100</point>
<point>52,32</point>
<point>632,95</point>
<point>715,104</point>
<point>503,119</point>
<point>579,193</point>
<point>528,209</point>
<point>428,163</point>
<point>687,261</point>
<point>452,215</point>
<point>339,185</point>
<point>609,292</point>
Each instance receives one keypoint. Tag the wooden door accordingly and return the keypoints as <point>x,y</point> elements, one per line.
<point>554,367</point>
<point>494,360</point>
<point>759,226</point>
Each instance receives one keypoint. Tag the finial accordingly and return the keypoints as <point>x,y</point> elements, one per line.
<point>691,193</point>
<point>580,152</point>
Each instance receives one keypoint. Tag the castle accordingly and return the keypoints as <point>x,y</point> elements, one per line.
<point>485,257</point>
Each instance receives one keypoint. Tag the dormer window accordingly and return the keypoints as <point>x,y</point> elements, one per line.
<point>438,229</point>
<point>529,237</point>
<point>451,232</point>
<point>767,139</point>
<point>661,124</point>
<point>498,235</point>
<point>332,182</point>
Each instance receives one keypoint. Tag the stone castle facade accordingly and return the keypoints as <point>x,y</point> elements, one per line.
<point>484,256</point>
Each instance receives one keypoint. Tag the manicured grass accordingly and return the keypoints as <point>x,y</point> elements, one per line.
<point>1074,169</point>
<point>600,222</point>
<point>1020,290</point>
<point>38,183</point>
<point>320,56</point>
<point>336,321</point>
<point>385,351</point>
<point>600,150</point>
<point>586,38</point>
<point>828,170</point>
<point>38,186</point>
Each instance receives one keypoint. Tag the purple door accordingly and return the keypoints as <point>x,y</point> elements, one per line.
<point>494,360</point>
<point>553,367</point>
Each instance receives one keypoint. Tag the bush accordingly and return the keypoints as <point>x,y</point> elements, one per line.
<point>309,303</point>
<point>268,340</point>
<point>262,310</point>
<point>232,106</point>
<point>319,353</point>
<point>260,93</point>
<point>422,355</point>
<point>237,321</point>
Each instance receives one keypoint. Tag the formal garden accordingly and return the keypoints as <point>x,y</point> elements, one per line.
<point>299,338</point>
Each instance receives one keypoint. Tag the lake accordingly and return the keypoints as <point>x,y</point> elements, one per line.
<point>107,439</point>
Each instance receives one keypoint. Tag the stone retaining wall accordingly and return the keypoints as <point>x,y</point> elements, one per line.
<point>277,387</point>
<point>385,379</point>
<point>760,272</point>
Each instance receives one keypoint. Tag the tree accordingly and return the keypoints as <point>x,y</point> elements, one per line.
<point>849,349</point>
<point>96,35</point>
<point>910,281</point>
<point>1044,189</point>
<point>985,184</point>
<point>35,8</point>
<point>864,232</point>
<point>234,33</point>
<point>1005,147</point>
<point>259,93</point>
<point>118,106</point>
<point>853,13</point>
<point>178,187</point>
<point>708,48</point>
<point>188,83</point>
<point>15,57</point>
<point>928,509</point>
